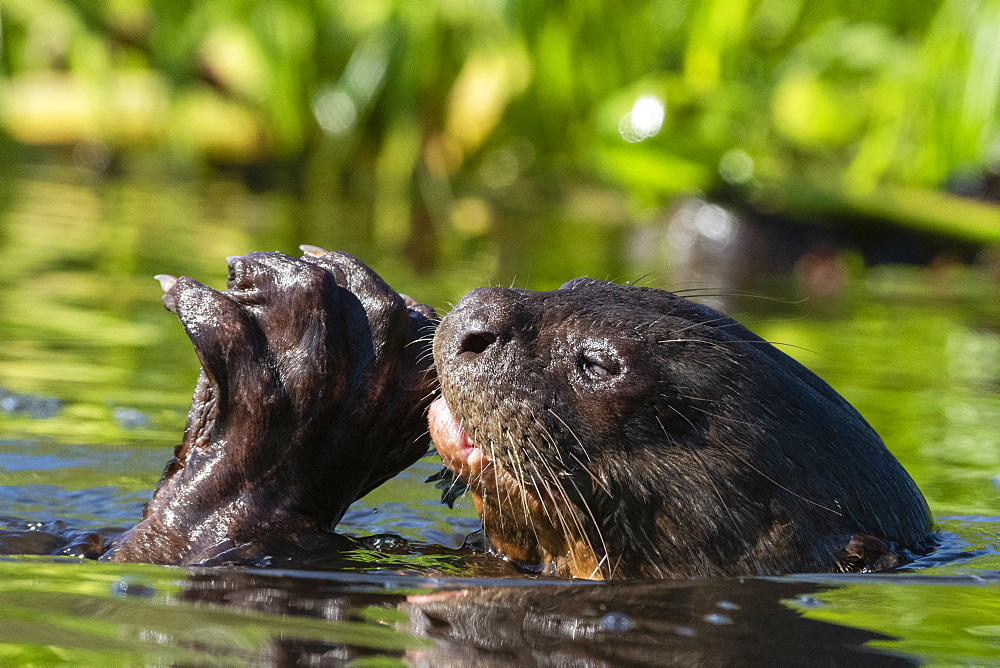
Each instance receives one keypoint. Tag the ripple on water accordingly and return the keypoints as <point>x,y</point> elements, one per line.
<point>90,508</point>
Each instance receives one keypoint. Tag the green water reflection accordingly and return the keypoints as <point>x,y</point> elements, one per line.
<point>936,621</point>
<point>85,613</point>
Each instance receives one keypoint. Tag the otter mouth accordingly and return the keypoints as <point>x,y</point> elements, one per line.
<point>458,451</point>
<point>477,468</point>
<point>526,522</point>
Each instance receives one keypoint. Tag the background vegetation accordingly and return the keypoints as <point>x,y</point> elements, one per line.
<point>419,125</point>
<point>455,143</point>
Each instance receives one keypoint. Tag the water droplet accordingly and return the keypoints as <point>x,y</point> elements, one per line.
<point>126,589</point>
<point>617,622</point>
<point>717,619</point>
<point>807,601</point>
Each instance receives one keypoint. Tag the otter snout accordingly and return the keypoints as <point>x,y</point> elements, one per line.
<point>474,342</point>
<point>479,325</point>
<point>480,347</point>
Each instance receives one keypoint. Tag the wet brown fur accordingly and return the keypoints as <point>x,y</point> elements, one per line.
<point>315,380</point>
<point>656,437</point>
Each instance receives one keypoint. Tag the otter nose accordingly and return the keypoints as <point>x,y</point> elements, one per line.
<point>479,327</point>
<point>475,341</point>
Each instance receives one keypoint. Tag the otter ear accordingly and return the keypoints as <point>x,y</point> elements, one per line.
<point>866,553</point>
<point>417,309</point>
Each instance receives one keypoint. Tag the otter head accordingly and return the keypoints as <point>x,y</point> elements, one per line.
<point>313,386</point>
<point>619,431</point>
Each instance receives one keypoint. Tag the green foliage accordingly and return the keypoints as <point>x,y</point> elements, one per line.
<point>394,109</point>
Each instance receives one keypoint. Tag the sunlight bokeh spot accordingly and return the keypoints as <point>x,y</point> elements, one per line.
<point>644,121</point>
<point>335,111</point>
<point>736,166</point>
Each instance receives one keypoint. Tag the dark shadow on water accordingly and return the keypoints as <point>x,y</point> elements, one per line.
<point>503,622</point>
<point>380,597</point>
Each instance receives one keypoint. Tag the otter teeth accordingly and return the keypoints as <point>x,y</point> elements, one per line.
<point>315,251</point>
<point>166,281</point>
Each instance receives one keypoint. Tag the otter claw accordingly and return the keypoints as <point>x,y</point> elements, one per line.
<point>315,251</point>
<point>166,281</point>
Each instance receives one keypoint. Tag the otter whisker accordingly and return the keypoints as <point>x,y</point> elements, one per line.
<point>708,474</point>
<point>432,393</point>
<point>585,469</point>
<point>507,503</point>
<point>782,487</point>
<point>570,430</point>
<point>600,483</point>
<point>702,325</point>
<point>529,518</point>
<point>597,528</point>
<point>580,530</point>
<point>643,277</point>
<point>552,440</point>
<point>542,483</point>
<point>538,482</point>
<point>719,416</point>
<point>520,479</point>
<point>700,293</point>
<point>477,438</point>
<point>597,568</point>
<point>557,507</point>
<point>693,398</point>
<point>740,343</point>
<point>512,492</point>
<point>754,468</point>
<point>430,368</point>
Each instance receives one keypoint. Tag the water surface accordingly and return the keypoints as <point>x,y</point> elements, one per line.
<point>96,377</point>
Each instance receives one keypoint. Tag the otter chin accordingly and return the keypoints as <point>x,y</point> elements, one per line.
<point>616,431</point>
<point>543,537</point>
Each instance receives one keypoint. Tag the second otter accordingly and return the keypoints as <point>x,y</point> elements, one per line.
<point>615,431</point>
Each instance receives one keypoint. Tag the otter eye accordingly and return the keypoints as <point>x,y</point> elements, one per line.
<point>597,365</point>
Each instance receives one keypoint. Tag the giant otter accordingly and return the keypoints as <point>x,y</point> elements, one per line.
<point>617,431</point>
<point>606,431</point>
<point>314,386</point>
